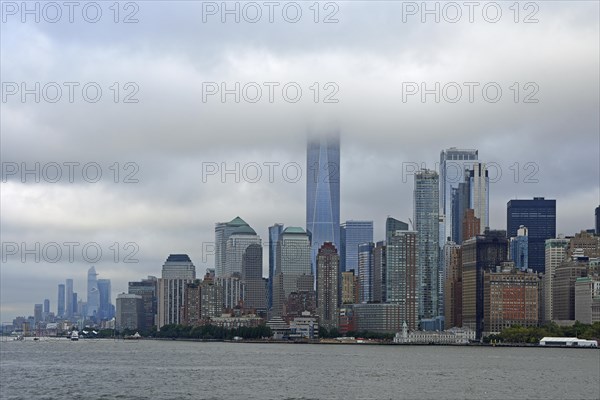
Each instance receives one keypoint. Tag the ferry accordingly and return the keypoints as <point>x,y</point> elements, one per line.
<point>74,335</point>
<point>567,342</point>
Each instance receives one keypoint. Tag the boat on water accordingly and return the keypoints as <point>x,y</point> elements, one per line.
<point>567,342</point>
<point>74,335</point>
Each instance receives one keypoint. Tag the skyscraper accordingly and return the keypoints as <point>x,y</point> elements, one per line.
<point>255,296</point>
<point>427,225</point>
<point>293,273</point>
<point>328,286</point>
<point>555,254</point>
<point>148,289</point>
<point>539,216</point>
<point>379,279</point>
<point>130,312</point>
<point>353,233</point>
<point>392,225</point>
<point>274,233</point>
<point>323,192</point>
<point>479,253</point>
<point>93,294</point>
<point>401,254</point>
<point>38,311</point>
<point>453,163</point>
<point>365,271</point>
<point>70,304</point>
<point>60,311</point>
<point>222,232</point>
<point>106,309</point>
<point>176,272</point>
<point>237,243</point>
<point>598,220</point>
<point>46,308</point>
<point>479,195</point>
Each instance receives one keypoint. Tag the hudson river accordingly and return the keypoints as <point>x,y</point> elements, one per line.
<point>106,369</point>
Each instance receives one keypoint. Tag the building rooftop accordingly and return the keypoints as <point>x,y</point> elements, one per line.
<point>178,258</point>
<point>294,230</point>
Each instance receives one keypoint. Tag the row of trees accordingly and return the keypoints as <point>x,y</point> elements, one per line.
<point>334,333</point>
<point>533,334</point>
<point>212,332</point>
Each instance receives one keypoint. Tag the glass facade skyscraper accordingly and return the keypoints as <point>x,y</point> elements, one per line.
<point>274,233</point>
<point>539,216</point>
<point>352,234</point>
<point>93,294</point>
<point>427,225</point>
<point>323,192</point>
<point>60,311</point>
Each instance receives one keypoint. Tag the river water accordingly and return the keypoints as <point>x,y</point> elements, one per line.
<point>107,369</point>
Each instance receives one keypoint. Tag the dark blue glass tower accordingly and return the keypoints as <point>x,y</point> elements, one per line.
<point>274,233</point>
<point>539,217</point>
<point>323,193</point>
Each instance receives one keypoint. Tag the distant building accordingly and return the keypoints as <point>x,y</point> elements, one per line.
<point>479,253</point>
<point>328,293</point>
<point>365,272</point>
<point>148,290</point>
<point>300,302</point>
<point>555,254</point>
<point>519,249</point>
<point>38,311</point>
<point>480,194</point>
<point>130,312</point>
<point>565,276</point>
<point>93,294</point>
<point>233,289</point>
<point>380,271</point>
<point>377,317</point>
<point>60,311</point>
<point>305,326</point>
<point>539,216</point>
<point>223,230</point>
<point>255,295</point>
<point>453,288</point>
<point>192,310</point>
<point>322,193</point>
<point>350,287</point>
<point>177,271</point>
<point>352,234</point>
<point>70,305</point>
<point>427,226</point>
<point>211,302</point>
<point>598,220</point>
<point>511,297</point>
<point>587,242</point>
<point>587,299</point>
<point>470,225</point>
<point>106,310</point>
<point>274,233</point>
<point>293,272</point>
<point>402,275</point>
<point>46,312</point>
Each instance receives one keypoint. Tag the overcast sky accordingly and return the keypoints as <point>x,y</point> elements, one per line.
<point>177,129</point>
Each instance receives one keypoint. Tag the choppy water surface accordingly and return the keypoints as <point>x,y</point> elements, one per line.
<point>106,369</point>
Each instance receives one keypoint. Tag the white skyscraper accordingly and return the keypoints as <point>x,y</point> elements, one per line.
<point>93,294</point>
<point>555,253</point>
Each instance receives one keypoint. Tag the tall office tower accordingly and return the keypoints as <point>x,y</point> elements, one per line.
<point>461,202</point>
<point>255,296</point>
<point>222,232</point>
<point>539,216</point>
<point>293,273</point>
<point>69,304</point>
<point>365,271</point>
<point>46,308</point>
<point>176,272</point>
<point>453,163</point>
<point>93,294</point>
<point>453,285</point>
<point>130,312</point>
<point>426,209</point>
<point>75,309</point>
<point>353,233</point>
<point>211,302</point>
<point>148,289</point>
<point>479,253</point>
<point>106,309</point>
<point>402,275</point>
<point>60,311</point>
<point>565,277</point>
<point>274,233</point>
<point>479,196</point>
<point>519,248</point>
<point>350,287</point>
<point>192,310</point>
<point>322,192</point>
<point>328,293</point>
<point>470,225</point>
<point>598,220</point>
<point>555,254</point>
<point>236,246</point>
<point>392,225</point>
<point>379,280</point>
<point>38,311</point>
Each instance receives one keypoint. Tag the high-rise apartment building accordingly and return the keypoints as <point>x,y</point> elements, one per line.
<point>379,280</point>
<point>453,285</point>
<point>328,286</point>
<point>539,216</point>
<point>402,275</point>
<point>350,288</point>
<point>365,272</point>
<point>427,225</point>
<point>60,311</point>
<point>555,254</point>
<point>323,192</point>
